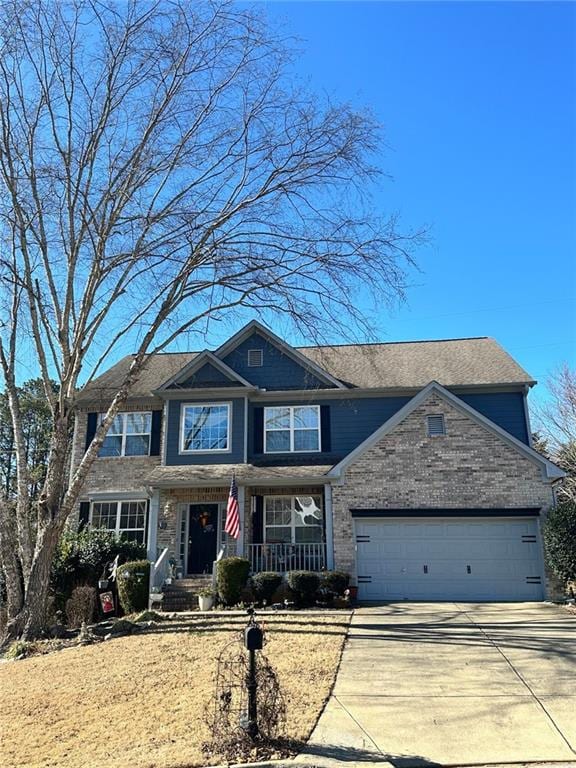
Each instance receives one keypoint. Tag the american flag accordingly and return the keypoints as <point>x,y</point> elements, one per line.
<point>232,527</point>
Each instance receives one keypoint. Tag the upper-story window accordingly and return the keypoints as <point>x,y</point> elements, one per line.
<point>129,435</point>
<point>205,427</point>
<point>292,429</point>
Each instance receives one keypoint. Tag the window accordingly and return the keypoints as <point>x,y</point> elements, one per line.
<point>125,518</point>
<point>292,429</point>
<point>205,427</point>
<point>255,358</point>
<point>436,425</point>
<point>292,519</point>
<point>129,435</point>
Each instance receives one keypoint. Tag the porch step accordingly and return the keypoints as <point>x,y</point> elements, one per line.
<point>182,594</point>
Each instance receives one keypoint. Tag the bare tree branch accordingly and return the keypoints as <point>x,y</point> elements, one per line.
<point>159,168</point>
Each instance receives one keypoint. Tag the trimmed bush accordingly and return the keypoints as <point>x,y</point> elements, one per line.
<point>231,577</point>
<point>560,540</point>
<point>335,582</point>
<point>265,584</point>
<point>81,557</point>
<point>133,583</point>
<point>283,594</point>
<point>81,606</point>
<point>305,585</point>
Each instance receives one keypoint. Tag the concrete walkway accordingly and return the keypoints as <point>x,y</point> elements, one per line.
<point>452,684</point>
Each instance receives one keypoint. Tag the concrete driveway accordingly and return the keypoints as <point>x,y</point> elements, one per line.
<point>453,684</point>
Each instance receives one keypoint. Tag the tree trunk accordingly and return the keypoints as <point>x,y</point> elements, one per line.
<point>30,622</point>
<point>9,560</point>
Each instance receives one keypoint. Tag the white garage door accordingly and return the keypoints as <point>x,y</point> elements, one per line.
<point>448,559</point>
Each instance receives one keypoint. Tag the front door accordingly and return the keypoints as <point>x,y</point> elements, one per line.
<point>202,537</point>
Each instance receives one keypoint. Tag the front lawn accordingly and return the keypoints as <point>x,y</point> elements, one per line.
<point>141,701</point>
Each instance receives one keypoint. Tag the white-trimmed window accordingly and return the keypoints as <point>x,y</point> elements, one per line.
<point>293,519</point>
<point>292,429</point>
<point>129,435</point>
<point>125,518</point>
<point>205,428</point>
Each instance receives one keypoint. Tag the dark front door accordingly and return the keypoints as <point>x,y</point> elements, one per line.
<point>202,537</point>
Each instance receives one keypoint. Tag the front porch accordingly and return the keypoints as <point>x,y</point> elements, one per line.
<point>282,528</point>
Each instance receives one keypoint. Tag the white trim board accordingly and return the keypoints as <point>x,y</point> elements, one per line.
<point>551,471</point>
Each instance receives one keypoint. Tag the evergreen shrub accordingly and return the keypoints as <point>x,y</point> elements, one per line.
<point>81,557</point>
<point>560,540</point>
<point>231,577</point>
<point>133,582</point>
<point>265,584</point>
<point>335,582</point>
<point>304,584</point>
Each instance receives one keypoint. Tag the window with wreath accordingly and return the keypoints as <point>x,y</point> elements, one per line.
<point>128,435</point>
<point>205,428</point>
<point>292,429</point>
<point>293,519</point>
<point>126,518</point>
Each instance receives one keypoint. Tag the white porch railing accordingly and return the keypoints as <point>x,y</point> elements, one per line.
<point>287,557</point>
<point>159,571</point>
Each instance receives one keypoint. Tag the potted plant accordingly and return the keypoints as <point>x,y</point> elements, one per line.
<point>206,599</point>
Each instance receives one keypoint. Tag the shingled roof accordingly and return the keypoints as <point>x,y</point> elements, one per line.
<point>409,364</point>
<point>395,365</point>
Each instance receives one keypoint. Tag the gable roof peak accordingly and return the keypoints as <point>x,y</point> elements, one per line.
<point>206,357</point>
<point>550,470</point>
<point>287,349</point>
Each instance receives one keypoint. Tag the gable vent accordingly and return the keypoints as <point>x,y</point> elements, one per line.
<point>436,425</point>
<point>255,358</point>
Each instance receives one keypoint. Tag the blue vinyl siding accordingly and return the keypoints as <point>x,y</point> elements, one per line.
<point>235,456</point>
<point>279,371</point>
<point>352,421</point>
<point>503,408</point>
<point>207,376</point>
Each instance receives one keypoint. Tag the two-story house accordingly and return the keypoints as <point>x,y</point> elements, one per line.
<point>407,464</point>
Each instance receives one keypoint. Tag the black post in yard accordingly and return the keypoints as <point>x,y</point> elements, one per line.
<point>253,641</point>
<point>252,687</point>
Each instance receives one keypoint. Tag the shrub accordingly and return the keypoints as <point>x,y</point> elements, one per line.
<point>283,594</point>
<point>335,582</point>
<point>560,540</point>
<point>304,584</point>
<point>81,606</point>
<point>81,557</point>
<point>19,650</point>
<point>133,583</point>
<point>231,577</point>
<point>265,584</point>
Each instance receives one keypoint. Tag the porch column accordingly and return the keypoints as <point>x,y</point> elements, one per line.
<point>240,542</point>
<point>153,525</point>
<point>329,527</point>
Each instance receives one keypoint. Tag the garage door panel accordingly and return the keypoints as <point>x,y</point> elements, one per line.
<point>482,559</point>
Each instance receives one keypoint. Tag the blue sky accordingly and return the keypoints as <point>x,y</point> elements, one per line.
<point>478,104</point>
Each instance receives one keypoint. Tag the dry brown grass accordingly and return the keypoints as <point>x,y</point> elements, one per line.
<point>140,701</point>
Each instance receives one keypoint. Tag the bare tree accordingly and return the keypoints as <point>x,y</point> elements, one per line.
<point>557,422</point>
<point>158,168</point>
